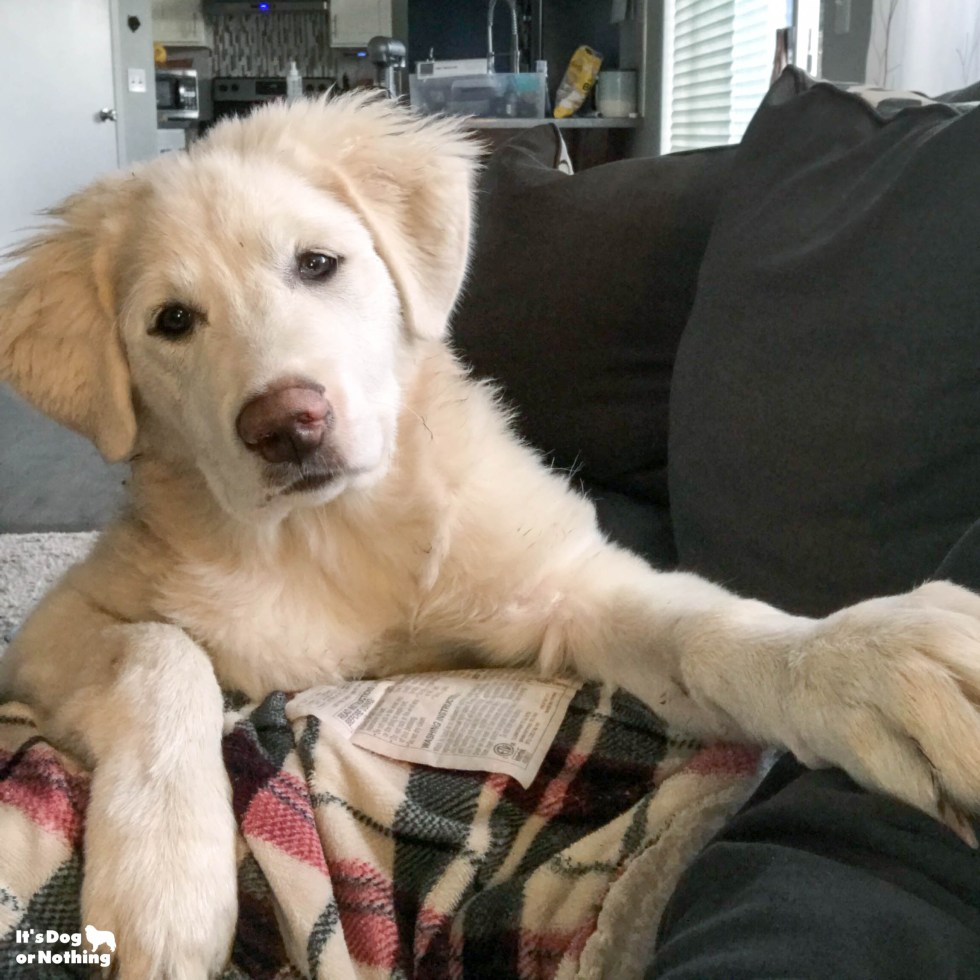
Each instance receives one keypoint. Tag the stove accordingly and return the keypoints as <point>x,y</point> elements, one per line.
<point>237,96</point>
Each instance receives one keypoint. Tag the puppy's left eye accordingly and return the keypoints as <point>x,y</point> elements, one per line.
<point>174,321</point>
<point>316,266</point>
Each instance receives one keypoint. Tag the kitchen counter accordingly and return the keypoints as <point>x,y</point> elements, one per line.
<point>574,122</point>
<point>590,140</point>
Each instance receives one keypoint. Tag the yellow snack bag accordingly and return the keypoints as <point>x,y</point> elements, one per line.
<point>579,78</point>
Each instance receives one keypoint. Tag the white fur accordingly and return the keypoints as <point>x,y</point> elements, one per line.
<point>445,540</point>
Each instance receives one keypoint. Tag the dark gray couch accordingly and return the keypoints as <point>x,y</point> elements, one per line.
<point>763,362</point>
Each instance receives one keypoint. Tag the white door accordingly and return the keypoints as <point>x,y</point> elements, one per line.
<point>56,60</point>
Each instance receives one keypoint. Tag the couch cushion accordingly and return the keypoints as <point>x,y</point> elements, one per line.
<point>962,563</point>
<point>825,429</point>
<point>579,290</point>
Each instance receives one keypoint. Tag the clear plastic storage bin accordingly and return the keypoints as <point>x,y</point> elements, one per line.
<point>499,96</point>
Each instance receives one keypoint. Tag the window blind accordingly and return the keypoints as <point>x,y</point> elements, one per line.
<point>718,63</point>
<point>700,73</point>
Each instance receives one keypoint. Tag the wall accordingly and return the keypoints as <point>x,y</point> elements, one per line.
<point>459,30</point>
<point>568,25</point>
<point>923,45</point>
<point>137,128</point>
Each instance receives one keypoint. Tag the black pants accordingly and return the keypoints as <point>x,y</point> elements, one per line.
<point>816,878</point>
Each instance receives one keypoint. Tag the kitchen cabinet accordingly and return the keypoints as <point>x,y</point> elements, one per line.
<point>354,22</point>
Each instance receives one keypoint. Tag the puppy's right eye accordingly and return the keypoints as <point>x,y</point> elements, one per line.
<point>316,266</point>
<point>174,321</point>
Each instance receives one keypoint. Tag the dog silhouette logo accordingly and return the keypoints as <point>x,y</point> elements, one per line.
<point>98,938</point>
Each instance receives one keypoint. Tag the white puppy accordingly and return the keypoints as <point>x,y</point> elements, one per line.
<point>319,491</point>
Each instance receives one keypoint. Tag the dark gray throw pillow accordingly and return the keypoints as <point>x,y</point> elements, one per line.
<point>579,290</point>
<point>825,416</point>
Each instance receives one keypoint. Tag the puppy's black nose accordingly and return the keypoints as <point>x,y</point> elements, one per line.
<point>286,423</point>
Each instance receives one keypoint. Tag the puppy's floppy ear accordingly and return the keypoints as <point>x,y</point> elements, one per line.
<point>409,178</point>
<point>59,344</point>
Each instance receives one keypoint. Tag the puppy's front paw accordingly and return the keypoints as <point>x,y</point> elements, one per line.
<point>160,875</point>
<point>889,690</point>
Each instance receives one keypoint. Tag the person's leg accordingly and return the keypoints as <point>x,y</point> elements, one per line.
<point>816,878</point>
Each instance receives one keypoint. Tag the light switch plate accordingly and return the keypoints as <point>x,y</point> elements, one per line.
<point>137,80</point>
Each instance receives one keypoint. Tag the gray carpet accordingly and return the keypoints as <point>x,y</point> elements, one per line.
<point>50,478</point>
<point>29,564</point>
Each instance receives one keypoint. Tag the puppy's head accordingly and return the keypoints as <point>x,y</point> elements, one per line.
<point>250,309</point>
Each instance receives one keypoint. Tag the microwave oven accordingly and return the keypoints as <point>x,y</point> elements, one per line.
<point>178,96</point>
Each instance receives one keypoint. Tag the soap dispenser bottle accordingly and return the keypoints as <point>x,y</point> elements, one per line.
<point>294,83</point>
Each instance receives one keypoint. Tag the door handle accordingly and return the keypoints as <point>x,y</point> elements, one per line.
<point>107,115</point>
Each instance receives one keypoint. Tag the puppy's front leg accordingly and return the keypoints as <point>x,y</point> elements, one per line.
<point>888,689</point>
<point>141,702</point>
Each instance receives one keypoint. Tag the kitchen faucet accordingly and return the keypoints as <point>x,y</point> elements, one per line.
<point>515,52</point>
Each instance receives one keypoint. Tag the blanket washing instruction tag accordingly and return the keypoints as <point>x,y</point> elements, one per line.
<point>483,720</point>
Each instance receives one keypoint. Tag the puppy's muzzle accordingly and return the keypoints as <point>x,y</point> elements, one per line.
<point>286,423</point>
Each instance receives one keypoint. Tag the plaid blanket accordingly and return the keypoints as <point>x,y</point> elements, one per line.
<point>354,865</point>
